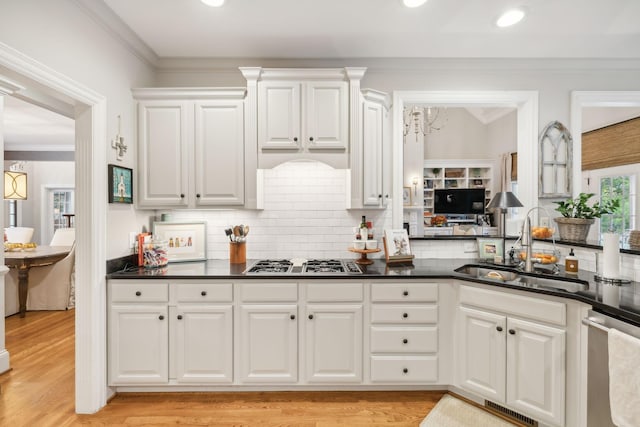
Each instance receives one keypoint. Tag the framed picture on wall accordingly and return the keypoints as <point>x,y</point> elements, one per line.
<point>406,196</point>
<point>120,184</point>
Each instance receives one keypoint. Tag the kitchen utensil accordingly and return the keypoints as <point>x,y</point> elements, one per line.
<point>229,232</point>
<point>236,231</point>
<point>246,230</point>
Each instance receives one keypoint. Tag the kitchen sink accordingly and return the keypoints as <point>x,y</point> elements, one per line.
<point>516,277</point>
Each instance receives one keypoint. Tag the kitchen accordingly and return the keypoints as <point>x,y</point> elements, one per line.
<point>110,74</point>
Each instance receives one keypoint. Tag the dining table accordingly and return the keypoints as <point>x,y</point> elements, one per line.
<point>25,259</point>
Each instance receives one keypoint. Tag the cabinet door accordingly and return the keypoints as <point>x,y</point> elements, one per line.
<point>326,116</point>
<point>536,370</point>
<point>138,344</point>
<point>268,343</point>
<point>202,344</point>
<point>279,115</point>
<point>482,352</point>
<point>219,153</point>
<point>163,150</point>
<point>372,133</point>
<point>334,343</point>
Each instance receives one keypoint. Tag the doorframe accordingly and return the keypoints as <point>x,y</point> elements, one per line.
<point>90,114</point>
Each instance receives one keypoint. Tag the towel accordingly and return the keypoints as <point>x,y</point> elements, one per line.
<point>624,379</point>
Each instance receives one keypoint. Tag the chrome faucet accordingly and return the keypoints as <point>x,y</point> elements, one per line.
<point>527,241</point>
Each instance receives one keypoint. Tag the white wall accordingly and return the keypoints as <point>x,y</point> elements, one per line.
<point>461,137</point>
<point>60,35</point>
<point>304,216</point>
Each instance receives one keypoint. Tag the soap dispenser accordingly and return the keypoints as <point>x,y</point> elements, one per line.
<point>571,263</point>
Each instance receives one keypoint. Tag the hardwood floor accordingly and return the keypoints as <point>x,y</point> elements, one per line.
<point>39,391</point>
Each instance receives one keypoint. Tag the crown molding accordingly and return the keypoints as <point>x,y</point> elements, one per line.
<point>121,32</point>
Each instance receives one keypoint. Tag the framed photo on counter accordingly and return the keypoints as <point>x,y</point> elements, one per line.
<point>186,241</point>
<point>489,247</point>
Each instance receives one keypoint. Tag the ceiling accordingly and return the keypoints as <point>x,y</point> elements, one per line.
<point>379,28</point>
<point>188,29</point>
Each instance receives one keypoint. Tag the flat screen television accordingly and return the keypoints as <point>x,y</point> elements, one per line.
<point>464,201</point>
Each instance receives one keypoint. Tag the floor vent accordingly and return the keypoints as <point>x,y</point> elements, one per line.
<point>511,414</point>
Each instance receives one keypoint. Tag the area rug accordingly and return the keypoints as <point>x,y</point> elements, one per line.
<point>452,412</point>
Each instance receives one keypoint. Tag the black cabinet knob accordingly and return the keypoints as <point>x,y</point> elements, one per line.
<point>379,196</point>
<point>295,139</point>
<point>138,293</point>
<point>179,316</point>
<point>182,196</point>
<point>512,331</point>
<point>311,317</point>
<point>198,195</point>
<point>499,328</point>
<point>311,138</point>
<point>203,293</point>
<point>386,196</point>
<point>292,317</point>
<point>405,293</point>
<point>405,371</point>
<point>161,317</point>
<point>405,341</point>
<point>405,315</point>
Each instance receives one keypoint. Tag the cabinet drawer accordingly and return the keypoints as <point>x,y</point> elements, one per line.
<point>389,339</point>
<point>139,292</point>
<point>392,292</point>
<point>202,292</point>
<point>334,292</point>
<point>265,292</point>
<point>518,305</point>
<point>404,368</point>
<point>405,313</point>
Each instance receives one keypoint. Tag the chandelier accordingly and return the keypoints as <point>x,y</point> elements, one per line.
<point>423,120</point>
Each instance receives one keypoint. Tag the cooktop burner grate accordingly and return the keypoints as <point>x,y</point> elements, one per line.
<point>271,266</point>
<point>329,266</point>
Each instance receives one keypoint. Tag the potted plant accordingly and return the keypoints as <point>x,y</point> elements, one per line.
<point>577,216</point>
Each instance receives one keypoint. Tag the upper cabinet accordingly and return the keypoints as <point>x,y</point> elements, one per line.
<point>190,147</point>
<point>303,114</point>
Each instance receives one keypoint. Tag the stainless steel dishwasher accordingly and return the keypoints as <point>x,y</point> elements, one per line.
<point>598,409</point>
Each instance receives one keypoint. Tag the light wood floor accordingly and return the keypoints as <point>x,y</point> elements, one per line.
<point>39,391</point>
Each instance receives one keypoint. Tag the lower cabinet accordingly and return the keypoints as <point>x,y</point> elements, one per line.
<point>513,361</point>
<point>202,338</point>
<point>268,336</point>
<point>334,343</point>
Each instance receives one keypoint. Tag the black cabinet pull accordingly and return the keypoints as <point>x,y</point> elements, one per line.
<point>386,196</point>
<point>405,315</point>
<point>405,341</point>
<point>292,317</point>
<point>405,293</point>
<point>198,195</point>
<point>405,371</point>
<point>161,317</point>
<point>311,138</point>
<point>295,139</point>
<point>311,317</point>
<point>179,316</point>
<point>203,293</point>
<point>379,196</point>
<point>512,331</point>
<point>182,196</point>
<point>499,328</point>
<point>138,293</point>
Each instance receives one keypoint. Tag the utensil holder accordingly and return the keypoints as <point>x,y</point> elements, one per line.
<point>237,252</point>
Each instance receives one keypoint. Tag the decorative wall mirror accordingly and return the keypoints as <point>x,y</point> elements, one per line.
<point>556,160</point>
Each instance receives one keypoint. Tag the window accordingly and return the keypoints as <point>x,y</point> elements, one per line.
<point>622,187</point>
<point>62,204</point>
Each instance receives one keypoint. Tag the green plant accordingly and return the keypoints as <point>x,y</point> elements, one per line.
<point>578,207</point>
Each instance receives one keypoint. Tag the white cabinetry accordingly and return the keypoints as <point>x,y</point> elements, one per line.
<point>333,351</point>
<point>268,333</point>
<point>138,333</point>
<point>515,361</point>
<point>374,182</point>
<point>404,332</point>
<point>190,147</point>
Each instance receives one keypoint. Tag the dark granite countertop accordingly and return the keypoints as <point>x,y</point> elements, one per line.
<point>625,306</point>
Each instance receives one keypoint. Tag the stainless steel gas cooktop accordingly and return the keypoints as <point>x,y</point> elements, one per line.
<point>312,266</point>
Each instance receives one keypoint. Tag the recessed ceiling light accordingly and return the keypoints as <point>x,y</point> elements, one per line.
<point>510,17</point>
<point>213,3</point>
<point>414,3</point>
